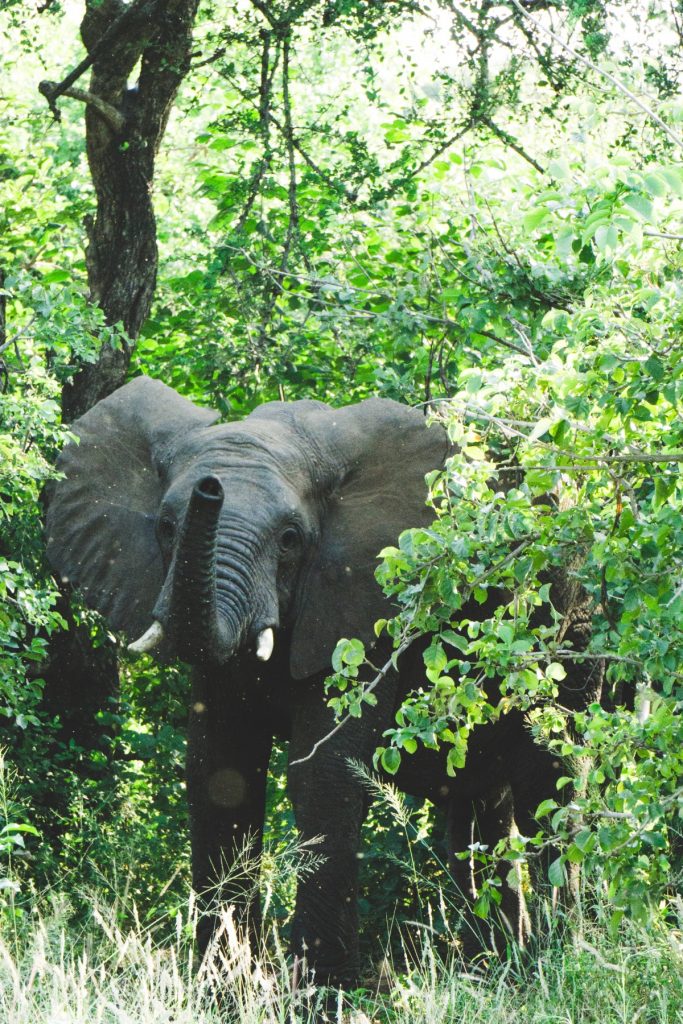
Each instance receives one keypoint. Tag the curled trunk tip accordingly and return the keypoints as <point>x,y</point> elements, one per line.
<point>209,489</point>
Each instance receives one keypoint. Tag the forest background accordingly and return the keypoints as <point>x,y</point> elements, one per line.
<point>471,206</point>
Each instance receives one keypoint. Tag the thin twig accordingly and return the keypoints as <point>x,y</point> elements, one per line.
<point>3,310</point>
<point>322,285</point>
<point>216,55</point>
<point>512,143</point>
<point>293,221</point>
<point>12,342</point>
<point>440,149</point>
<point>265,92</point>
<point>600,71</point>
<point>412,637</point>
<point>338,186</point>
<point>367,688</point>
<point>662,234</point>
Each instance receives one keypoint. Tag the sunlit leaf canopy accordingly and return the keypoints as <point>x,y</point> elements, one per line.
<point>473,206</point>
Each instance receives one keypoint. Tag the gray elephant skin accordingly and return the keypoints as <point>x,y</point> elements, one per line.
<point>248,549</point>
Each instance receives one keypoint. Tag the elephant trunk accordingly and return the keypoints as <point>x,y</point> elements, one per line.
<point>193,614</point>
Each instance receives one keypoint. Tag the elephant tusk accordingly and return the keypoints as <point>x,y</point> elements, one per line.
<point>264,644</point>
<point>149,640</point>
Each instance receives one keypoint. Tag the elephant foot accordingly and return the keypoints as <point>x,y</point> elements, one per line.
<point>332,1006</point>
<point>320,993</point>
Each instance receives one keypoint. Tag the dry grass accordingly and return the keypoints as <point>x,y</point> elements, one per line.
<point>53,973</point>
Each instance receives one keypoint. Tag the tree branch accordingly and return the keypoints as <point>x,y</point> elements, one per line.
<point>293,223</point>
<point>511,143</point>
<point>216,55</point>
<point>451,141</point>
<point>107,111</point>
<point>3,310</point>
<point>133,17</point>
<point>265,93</point>
<point>338,186</point>
<point>619,86</point>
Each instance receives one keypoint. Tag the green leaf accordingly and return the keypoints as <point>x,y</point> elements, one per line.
<point>574,854</point>
<point>56,276</point>
<point>673,177</point>
<point>664,488</point>
<point>534,218</point>
<point>585,840</point>
<point>390,760</point>
<point>656,184</point>
<point>506,632</point>
<point>641,204</point>
<point>456,640</point>
<point>435,661</point>
<point>557,873</point>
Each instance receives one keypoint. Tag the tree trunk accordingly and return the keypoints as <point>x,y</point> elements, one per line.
<point>122,146</point>
<point>124,128</point>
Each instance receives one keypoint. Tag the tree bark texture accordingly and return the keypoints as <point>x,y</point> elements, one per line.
<point>122,257</point>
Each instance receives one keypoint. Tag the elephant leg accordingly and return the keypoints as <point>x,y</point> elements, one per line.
<point>330,802</point>
<point>485,821</point>
<point>227,765</point>
<point>325,930</point>
<point>535,779</point>
<point>460,837</point>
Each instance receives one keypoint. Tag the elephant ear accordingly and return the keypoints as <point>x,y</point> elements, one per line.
<point>101,517</point>
<point>385,450</point>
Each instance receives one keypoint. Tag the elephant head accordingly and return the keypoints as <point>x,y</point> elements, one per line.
<point>208,538</point>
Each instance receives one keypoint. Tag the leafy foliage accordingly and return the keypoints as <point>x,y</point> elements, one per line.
<point>587,410</point>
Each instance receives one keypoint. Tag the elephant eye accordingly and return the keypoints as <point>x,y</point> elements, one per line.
<point>289,539</point>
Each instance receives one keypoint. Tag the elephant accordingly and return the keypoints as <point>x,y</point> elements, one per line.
<point>247,549</point>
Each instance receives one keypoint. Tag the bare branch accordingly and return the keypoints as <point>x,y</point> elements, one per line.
<point>511,143</point>
<point>505,343</point>
<point>109,113</point>
<point>438,151</point>
<point>662,234</point>
<point>338,186</point>
<point>293,222</point>
<point>265,92</point>
<point>216,55</point>
<point>265,11</point>
<point>320,285</point>
<point>13,341</point>
<point>3,310</point>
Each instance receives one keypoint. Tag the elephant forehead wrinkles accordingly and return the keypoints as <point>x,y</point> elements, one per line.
<point>249,474</point>
<point>236,446</point>
<point>236,462</point>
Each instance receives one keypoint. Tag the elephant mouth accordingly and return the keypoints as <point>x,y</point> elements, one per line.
<point>154,637</point>
<point>205,606</point>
